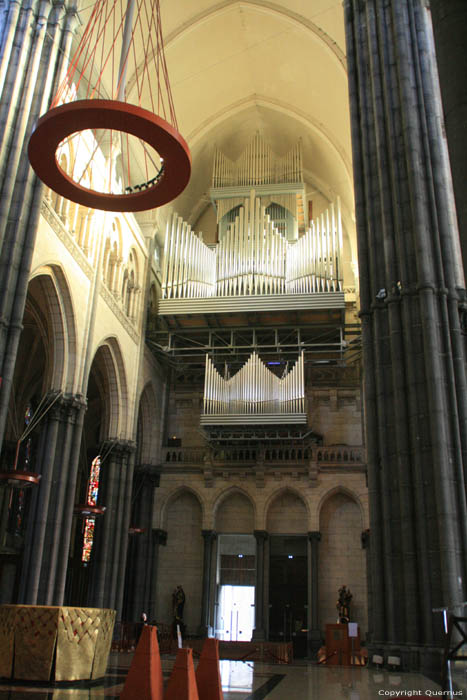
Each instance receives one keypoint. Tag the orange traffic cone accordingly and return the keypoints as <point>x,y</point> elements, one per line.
<point>182,681</point>
<point>208,675</point>
<point>144,680</point>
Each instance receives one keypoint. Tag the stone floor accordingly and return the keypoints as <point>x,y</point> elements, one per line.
<point>244,680</point>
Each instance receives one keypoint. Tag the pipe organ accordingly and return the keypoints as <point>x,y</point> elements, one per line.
<point>253,258</point>
<point>189,266</point>
<point>257,165</point>
<point>254,391</point>
<point>313,262</point>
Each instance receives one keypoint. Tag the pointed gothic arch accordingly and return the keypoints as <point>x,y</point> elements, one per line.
<point>173,496</point>
<point>148,428</point>
<point>239,512</point>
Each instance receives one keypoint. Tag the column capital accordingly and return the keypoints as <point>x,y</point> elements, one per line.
<point>64,407</point>
<point>314,536</point>
<point>148,473</point>
<point>261,535</point>
<point>209,535</point>
<point>118,448</point>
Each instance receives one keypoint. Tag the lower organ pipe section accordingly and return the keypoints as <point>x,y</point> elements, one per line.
<point>254,389</point>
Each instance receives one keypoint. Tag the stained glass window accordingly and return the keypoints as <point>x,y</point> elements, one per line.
<point>93,487</point>
<point>91,500</point>
<point>88,539</point>
<point>28,415</point>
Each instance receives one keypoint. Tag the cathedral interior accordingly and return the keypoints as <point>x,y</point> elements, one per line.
<point>256,391</point>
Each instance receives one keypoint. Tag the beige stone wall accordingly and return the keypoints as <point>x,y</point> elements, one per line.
<point>312,495</point>
<point>183,417</point>
<point>342,560</point>
<point>284,505</point>
<point>181,561</point>
<point>287,515</point>
<point>235,514</point>
<point>153,397</point>
<point>336,414</point>
<point>71,245</point>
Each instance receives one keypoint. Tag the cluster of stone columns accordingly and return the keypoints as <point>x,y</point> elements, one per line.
<point>47,544</point>
<point>111,542</point>
<point>412,302</point>
<point>36,38</point>
<point>209,537</point>
<point>35,42</point>
<point>143,552</point>
<point>450,32</point>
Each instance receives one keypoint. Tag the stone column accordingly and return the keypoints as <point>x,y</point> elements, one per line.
<point>208,536</point>
<point>259,631</point>
<point>365,539</point>
<point>413,298</point>
<point>111,540</point>
<point>141,547</point>
<point>314,633</point>
<point>119,573</point>
<point>37,41</point>
<point>450,32</point>
<point>159,537</point>
<point>48,536</point>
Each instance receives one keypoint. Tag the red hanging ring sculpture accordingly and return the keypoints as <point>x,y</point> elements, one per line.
<point>90,132</point>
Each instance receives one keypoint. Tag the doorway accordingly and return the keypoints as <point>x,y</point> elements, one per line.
<point>288,586</point>
<point>236,617</point>
<point>235,606</point>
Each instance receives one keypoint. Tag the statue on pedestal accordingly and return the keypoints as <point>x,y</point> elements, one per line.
<point>343,605</point>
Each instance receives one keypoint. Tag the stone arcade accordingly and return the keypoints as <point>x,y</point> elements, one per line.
<point>314,124</point>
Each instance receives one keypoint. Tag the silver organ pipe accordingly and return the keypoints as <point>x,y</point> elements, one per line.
<point>257,165</point>
<point>253,257</point>
<point>254,389</point>
<point>189,266</point>
<point>313,263</point>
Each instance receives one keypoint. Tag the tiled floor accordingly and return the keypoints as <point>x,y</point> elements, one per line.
<point>244,680</point>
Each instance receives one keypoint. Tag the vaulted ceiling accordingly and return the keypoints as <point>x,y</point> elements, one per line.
<point>241,66</point>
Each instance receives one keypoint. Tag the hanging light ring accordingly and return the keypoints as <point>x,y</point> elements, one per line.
<point>19,479</point>
<point>61,122</point>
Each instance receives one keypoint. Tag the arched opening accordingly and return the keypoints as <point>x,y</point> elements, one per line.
<point>96,430</point>
<point>140,586</point>
<point>236,568</point>
<point>40,371</point>
<point>181,561</point>
<point>29,382</point>
<point>287,520</point>
<point>342,559</point>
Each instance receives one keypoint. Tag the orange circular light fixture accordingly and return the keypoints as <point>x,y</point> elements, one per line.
<point>63,121</point>
<point>83,510</point>
<point>115,83</point>
<point>20,480</point>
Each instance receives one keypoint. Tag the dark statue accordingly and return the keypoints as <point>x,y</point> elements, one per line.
<point>343,605</point>
<point>178,603</point>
